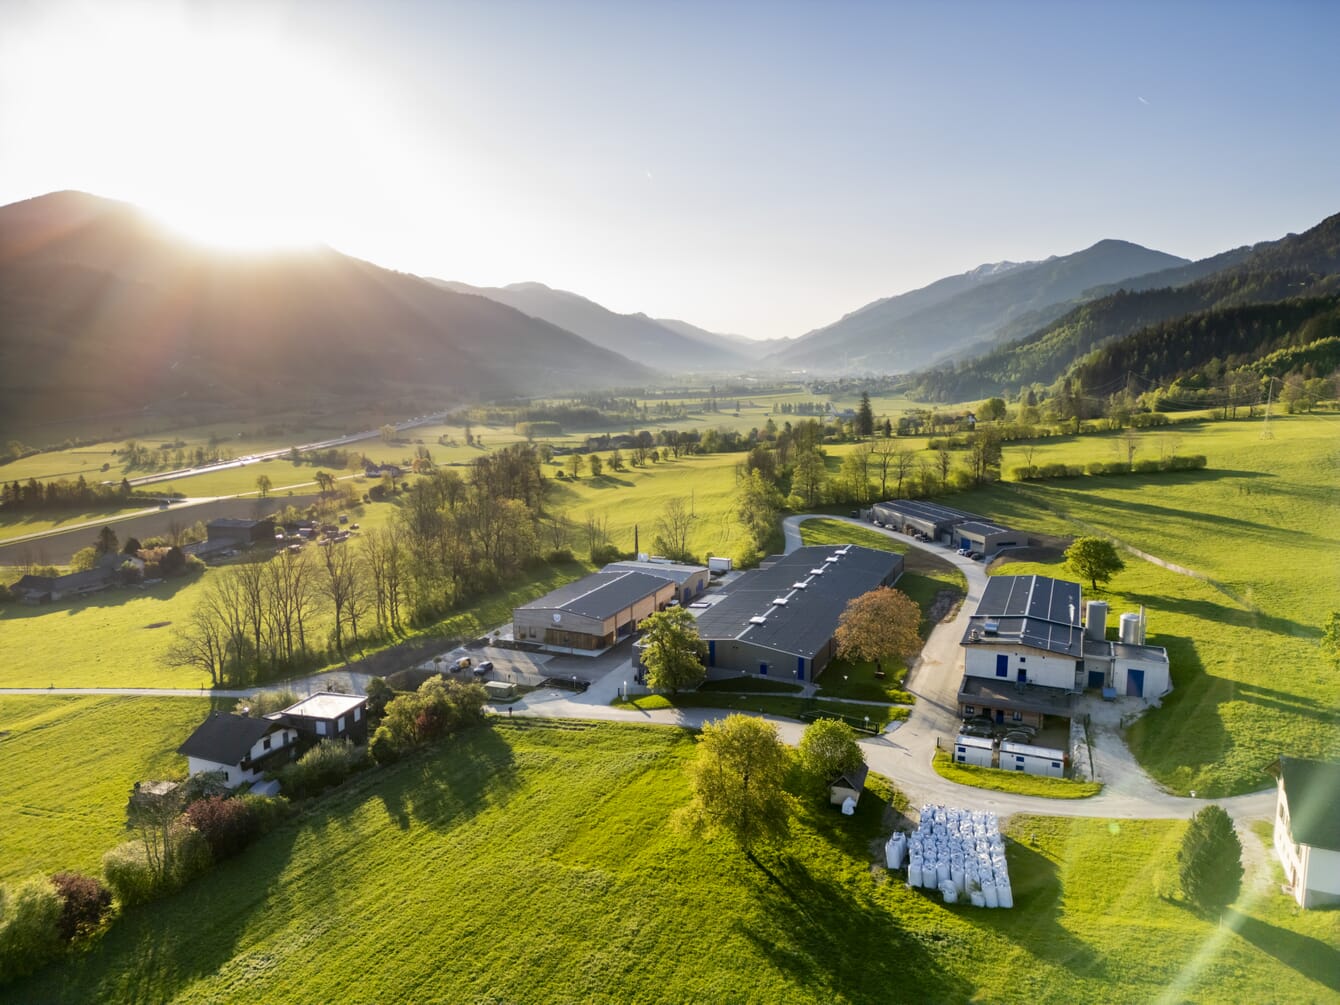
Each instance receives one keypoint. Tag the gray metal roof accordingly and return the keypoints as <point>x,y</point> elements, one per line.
<point>226,739</point>
<point>675,571</point>
<point>805,623</point>
<point>1035,611</point>
<point>928,511</point>
<point>237,523</point>
<point>600,595</point>
<point>1313,791</point>
<point>982,527</point>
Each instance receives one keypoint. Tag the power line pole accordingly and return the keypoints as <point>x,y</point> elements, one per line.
<point>1266,433</point>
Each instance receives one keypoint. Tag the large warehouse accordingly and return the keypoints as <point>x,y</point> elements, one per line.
<point>692,580</point>
<point>779,619</point>
<point>912,516</point>
<point>595,612</point>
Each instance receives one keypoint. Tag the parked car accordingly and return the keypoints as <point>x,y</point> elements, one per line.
<point>463,663</point>
<point>1017,736</point>
<point>482,667</point>
<point>976,729</point>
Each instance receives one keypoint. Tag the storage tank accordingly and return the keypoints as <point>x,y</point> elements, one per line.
<point>1095,620</point>
<point>1130,629</point>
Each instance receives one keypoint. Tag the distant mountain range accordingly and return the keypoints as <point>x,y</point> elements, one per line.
<point>102,311</point>
<point>669,346</point>
<point>957,313</point>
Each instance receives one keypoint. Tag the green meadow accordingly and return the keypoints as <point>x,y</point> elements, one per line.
<point>541,863</point>
<point>69,765</point>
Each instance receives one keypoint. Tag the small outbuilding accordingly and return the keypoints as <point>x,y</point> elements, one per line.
<point>848,785</point>
<point>1032,760</point>
<point>499,690</point>
<point>986,538</point>
<point>1307,828</point>
<point>978,750</point>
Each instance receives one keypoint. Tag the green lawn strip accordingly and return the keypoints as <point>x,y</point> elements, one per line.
<point>539,861</point>
<point>69,765</point>
<point>748,685</point>
<point>769,704</point>
<point>1012,781</point>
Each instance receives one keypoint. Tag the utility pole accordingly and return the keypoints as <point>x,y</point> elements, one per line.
<point>1266,434</point>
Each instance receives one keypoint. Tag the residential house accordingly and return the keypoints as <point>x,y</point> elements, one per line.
<point>327,716</point>
<point>241,747</point>
<point>1307,828</point>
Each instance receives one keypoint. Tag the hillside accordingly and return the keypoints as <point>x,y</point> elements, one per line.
<point>636,336</point>
<point>103,311</point>
<point>1300,265</point>
<point>949,316</point>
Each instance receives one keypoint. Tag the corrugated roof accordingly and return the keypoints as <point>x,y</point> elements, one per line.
<point>1312,789</point>
<point>600,595</point>
<point>1035,611</point>
<point>805,624</point>
<point>235,523</point>
<point>928,511</point>
<point>226,739</point>
<point>675,571</point>
<point>982,527</point>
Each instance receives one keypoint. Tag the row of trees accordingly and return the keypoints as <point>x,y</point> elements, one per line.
<point>33,496</point>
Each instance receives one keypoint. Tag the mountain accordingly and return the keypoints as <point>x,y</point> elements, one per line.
<point>102,310</point>
<point>1275,273</point>
<point>948,316</point>
<point>651,342</point>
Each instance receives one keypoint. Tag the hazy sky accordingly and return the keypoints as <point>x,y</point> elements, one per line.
<point>757,168</point>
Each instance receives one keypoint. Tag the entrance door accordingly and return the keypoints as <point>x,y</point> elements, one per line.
<point>1023,675</point>
<point>1002,665</point>
<point>763,669</point>
<point>1096,680</point>
<point>1000,715</point>
<point>1135,683</point>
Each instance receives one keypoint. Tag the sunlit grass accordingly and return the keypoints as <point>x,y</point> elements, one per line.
<point>1018,782</point>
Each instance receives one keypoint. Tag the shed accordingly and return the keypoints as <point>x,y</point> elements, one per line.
<point>978,750</point>
<point>1032,760</point>
<point>848,785</point>
<point>499,689</point>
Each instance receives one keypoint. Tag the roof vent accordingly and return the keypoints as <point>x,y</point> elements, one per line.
<point>800,584</point>
<point>779,601</point>
<point>991,627</point>
<point>817,572</point>
<point>831,559</point>
<point>758,619</point>
<point>844,549</point>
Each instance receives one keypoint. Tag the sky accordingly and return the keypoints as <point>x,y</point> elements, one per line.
<point>759,169</point>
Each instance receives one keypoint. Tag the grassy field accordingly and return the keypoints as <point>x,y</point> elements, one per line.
<point>1012,781</point>
<point>788,707</point>
<point>538,863</point>
<point>1250,681</point>
<point>69,765</point>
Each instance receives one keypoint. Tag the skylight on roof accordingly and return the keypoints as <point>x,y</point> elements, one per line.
<point>817,572</point>
<point>800,584</point>
<point>779,601</point>
<point>758,619</point>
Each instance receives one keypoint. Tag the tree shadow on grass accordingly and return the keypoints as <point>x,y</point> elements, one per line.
<point>1220,614</point>
<point>450,781</point>
<point>1310,957</point>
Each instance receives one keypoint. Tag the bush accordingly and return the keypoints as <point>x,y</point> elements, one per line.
<point>382,747</point>
<point>328,763</point>
<point>227,825</point>
<point>560,556</point>
<point>605,554</point>
<point>267,811</point>
<point>85,902</point>
<point>135,880</point>
<point>1147,467</point>
<point>379,694</point>
<point>29,927</point>
<point>1192,463</point>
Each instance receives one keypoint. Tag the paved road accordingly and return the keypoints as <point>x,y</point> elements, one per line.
<point>902,753</point>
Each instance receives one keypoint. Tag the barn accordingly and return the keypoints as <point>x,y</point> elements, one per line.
<point>779,619</point>
<point>594,613</point>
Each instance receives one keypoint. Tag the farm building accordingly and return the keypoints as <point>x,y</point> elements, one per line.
<point>978,750</point>
<point>779,619</point>
<point>240,747</point>
<point>692,580</point>
<point>1307,828</point>
<point>328,716</point>
<point>848,785</point>
<point>240,533</point>
<point>48,589</point>
<point>1032,760</point>
<point>1125,666</point>
<point>987,538</point>
<point>913,516</point>
<point>593,613</point>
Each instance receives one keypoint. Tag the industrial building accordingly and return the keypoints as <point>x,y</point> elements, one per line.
<point>692,580</point>
<point>913,516</point>
<point>1027,653</point>
<point>986,538</point>
<point>1031,759</point>
<point>593,613</point>
<point>779,620</point>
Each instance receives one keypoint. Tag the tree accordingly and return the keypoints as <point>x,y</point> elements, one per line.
<point>828,749</point>
<point>757,503</point>
<point>672,651</point>
<point>379,696</point>
<point>84,559</point>
<point>1330,637</point>
<point>575,464</point>
<point>865,417</point>
<point>324,481</point>
<point>807,481</point>
<point>1209,863</point>
<point>672,529</point>
<point>107,543</point>
<point>1094,559</point>
<point>596,465</point>
<point>263,485</point>
<point>84,903</point>
<point>737,778</point>
<point>879,625</point>
<point>131,547</point>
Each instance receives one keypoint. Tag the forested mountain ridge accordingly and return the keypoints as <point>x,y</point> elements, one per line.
<point>885,336</point>
<point>103,310</point>
<point>1302,265</point>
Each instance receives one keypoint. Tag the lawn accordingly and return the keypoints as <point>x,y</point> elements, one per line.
<point>1259,528</point>
<point>1012,781</point>
<point>539,863</point>
<point>70,763</point>
<point>857,713</point>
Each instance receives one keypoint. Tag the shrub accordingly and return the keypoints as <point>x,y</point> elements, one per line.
<point>328,763</point>
<point>29,927</point>
<point>382,747</point>
<point>1192,463</point>
<point>1147,466</point>
<point>129,874</point>
<point>559,556</point>
<point>227,825</point>
<point>605,554</point>
<point>190,858</point>
<point>267,811</point>
<point>379,695</point>
<point>85,902</point>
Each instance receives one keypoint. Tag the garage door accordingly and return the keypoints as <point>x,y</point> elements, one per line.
<point>1135,683</point>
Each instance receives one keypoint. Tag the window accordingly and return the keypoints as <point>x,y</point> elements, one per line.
<point>225,776</point>
<point>320,728</point>
<point>1018,716</point>
<point>969,709</point>
<point>339,724</point>
<point>1056,764</point>
<point>358,713</point>
<point>1023,659</point>
<point>266,743</point>
<point>962,750</point>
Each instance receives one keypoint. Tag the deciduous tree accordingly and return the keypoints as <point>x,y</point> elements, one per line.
<point>263,485</point>
<point>672,650</point>
<point>879,625</point>
<point>827,749</point>
<point>672,529</point>
<point>1094,559</point>
<point>738,777</point>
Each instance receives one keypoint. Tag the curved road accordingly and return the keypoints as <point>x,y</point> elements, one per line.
<point>903,753</point>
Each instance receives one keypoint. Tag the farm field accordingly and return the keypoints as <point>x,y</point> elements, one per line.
<point>1249,679</point>
<point>70,763</point>
<point>538,862</point>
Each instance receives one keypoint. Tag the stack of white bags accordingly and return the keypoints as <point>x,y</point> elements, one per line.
<point>958,852</point>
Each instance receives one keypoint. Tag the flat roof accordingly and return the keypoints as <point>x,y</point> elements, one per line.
<point>1035,611</point>
<point>677,572</point>
<point>963,740</point>
<point>929,510</point>
<point>325,705</point>
<point>601,594</point>
<point>804,624</point>
<point>1010,747</point>
<point>1028,698</point>
<point>234,523</point>
<point>982,527</point>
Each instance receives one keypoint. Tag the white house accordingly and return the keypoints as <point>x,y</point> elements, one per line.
<point>242,748</point>
<point>1307,828</point>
